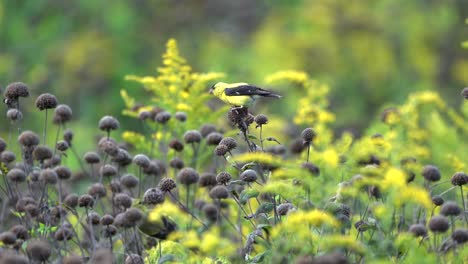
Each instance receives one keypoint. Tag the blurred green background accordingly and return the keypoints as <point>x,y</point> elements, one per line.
<point>370,52</point>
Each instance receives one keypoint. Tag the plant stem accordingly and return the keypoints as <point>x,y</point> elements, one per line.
<point>463,202</point>
<point>45,128</point>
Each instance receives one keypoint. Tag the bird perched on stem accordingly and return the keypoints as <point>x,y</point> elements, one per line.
<point>240,95</point>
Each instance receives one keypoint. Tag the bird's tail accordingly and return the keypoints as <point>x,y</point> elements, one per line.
<point>273,95</point>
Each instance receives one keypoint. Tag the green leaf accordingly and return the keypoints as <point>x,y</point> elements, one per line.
<point>258,258</point>
<point>248,194</point>
<point>166,258</point>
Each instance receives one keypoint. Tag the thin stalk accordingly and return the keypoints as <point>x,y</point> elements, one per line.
<point>186,209</point>
<point>140,183</point>
<point>56,139</point>
<point>463,202</point>
<point>308,151</point>
<point>45,128</point>
<point>261,138</point>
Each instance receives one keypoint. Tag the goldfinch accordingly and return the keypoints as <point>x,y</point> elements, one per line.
<point>239,94</point>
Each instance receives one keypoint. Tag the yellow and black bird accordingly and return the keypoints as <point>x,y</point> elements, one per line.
<point>239,94</point>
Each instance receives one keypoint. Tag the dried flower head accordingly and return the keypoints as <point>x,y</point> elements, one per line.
<point>92,157</point>
<point>163,117</point>
<point>48,176</point>
<point>3,145</point>
<point>129,181</point>
<point>85,200</point>
<point>63,173</point>
<point>181,116</point>
<point>459,179</point>
<point>311,168</point>
<point>249,175</point>
<point>68,136</point>
<point>71,200</point>
<point>460,236</point>
<point>207,179</point>
<point>134,259</point>
<point>211,212</point>
<point>141,161</point>
<point>108,170</point>
<point>439,224</point>
<point>62,114</point>
<point>15,90</point>
<point>14,114</point>
<point>219,192</point>
<point>431,173</point>
<point>16,175</point>
<point>133,216</point>
<point>167,184</point>
<point>39,250</point>
<point>464,93</point>
<point>28,139</point>
<point>192,136</point>
<point>143,115</point>
<point>176,163</point>
<point>418,230</point>
<point>188,176</point>
<point>297,146</point>
<point>108,123</point>
<point>63,233</point>
<point>107,219</point>
<point>8,238</point>
<point>206,129</point>
<point>42,153</point>
<point>284,208</point>
<point>153,196</point>
<point>223,177</point>
<point>229,142</point>
<point>437,200</point>
<point>214,138</point>
<point>97,190</point>
<point>46,101</point>
<point>450,208</point>
<point>221,150</point>
<point>20,231</point>
<point>176,145</point>
<point>261,120</point>
<point>308,135</point>
<point>62,145</point>
<point>123,200</point>
<point>7,157</point>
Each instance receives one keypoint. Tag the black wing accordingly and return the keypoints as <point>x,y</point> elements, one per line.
<point>249,90</point>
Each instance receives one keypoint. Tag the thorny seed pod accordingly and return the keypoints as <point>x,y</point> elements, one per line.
<point>93,218</point>
<point>133,216</point>
<point>63,172</point>
<point>308,135</point>
<point>46,101</point>
<point>48,176</point>
<point>7,157</point>
<point>284,208</point>
<point>143,115</point>
<point>71,200</point>
<point>42,153</point>
<point>16,175</point>
<point>3,145</point>
<point>211,212</point>
<point>108,170</point>
<point>68,136</point>
<point>8,238</point>
<point>296,146</point>
<point>20,232</point>
<point>97,190</point>
<point>311,168</point>
<point>107,220</point>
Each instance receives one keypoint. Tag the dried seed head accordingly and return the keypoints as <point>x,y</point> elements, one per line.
<point>63,234</point>
<point>450,209</point>
<point>297,146</point>
<point>221,150</point>
<point>68,136</point>
<point>437,200</point>
<point>133,216</point>
<point>211,212</point>
<point>16,175</point>
<point>261,120</point>
<point>48,176</point>
<point>229,142</point>
<point>3,145</point>
<point>129,181</point>
<point>143,115</point>
<point>46,101</point>
<point>219,192</point>
<point>439,224</point>
<point>62,114</point>
<point>8,238</point>
<point>39,250</point>
<point>97,190</point>
<point>464,93</point>
<point>7,157</point>
<point>71,200</point>
<point>15,90</point>
<point>42,153</point>
<point>63,172</point>
<point>308,135</point>
<point>92,157</point>
<point>192,136</point>
<point>223,177</point>
<point>460,236</point>
<point>181,116</point>
<point>108,123</point>
<point>214,138</point>
<point>122,158</point>
<point>116,186</point>
<point>102,255</point>
<point>431,173</point>
<point>176,163</point>
<point>121,221</point>
<point>28,139</point>
<point>153,196</point>
<point>85,200</point>
<point>459,179</point>
<point>62,145</point>
<point>134,259</point>
<point>188,176</point>
<point>14,114</point>
<point>23,202</point>
<point>167,184</point>
<point>110,230</point>
<point>73,259</point>
<point>206,129</point>
<point>207,179</point>
<point>123,200</point>
<point>284,208</point>
<point>13,258</point>
<point>176,145</point>
<point>163,117</point>
<point>249,175</point>
<point>236,115</point>
<point>93,218</point>
<point>311,168</point>
<point>20,232</point>
<point>418,230</point>
<point>141,161</point>
<point>108,170</point>
<point>107,220</point>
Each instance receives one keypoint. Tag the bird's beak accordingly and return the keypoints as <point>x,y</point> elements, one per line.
<point>211,90</point>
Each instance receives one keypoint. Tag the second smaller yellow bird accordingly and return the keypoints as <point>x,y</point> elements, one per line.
<point>239,94</point>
